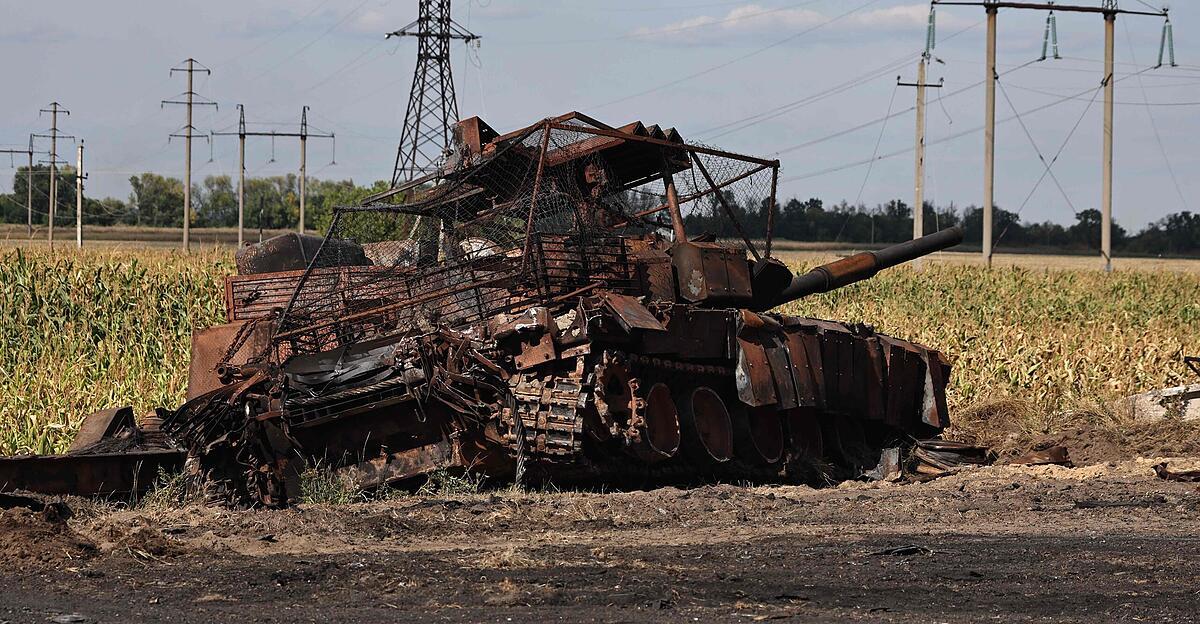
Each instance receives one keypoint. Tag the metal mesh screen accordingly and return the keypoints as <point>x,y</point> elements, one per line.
<point>536,217</point>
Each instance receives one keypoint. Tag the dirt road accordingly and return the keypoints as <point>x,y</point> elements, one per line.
<point>1095,544</point>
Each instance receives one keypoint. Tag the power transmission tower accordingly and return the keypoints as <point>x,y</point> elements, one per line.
<point>28,183</point>
<point>1110,11</point>
<point>188,66</point>
<point>304,134</point>
<point>54,109</point>
<point>432,108</point>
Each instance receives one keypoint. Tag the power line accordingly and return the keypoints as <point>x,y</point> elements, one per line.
<point>342,72</point>
<point>875,152</point>
<point>233,60</point>
<point>1062,147</point>
<point>746,122</point>
<point>1078,70</point>
<point>816,97</point>
<point>304,134</point>
<point>884,119</point>
<point>1145,103</point>
<point>737,59</point>
<point>313,42</point>
<point>871,167</point>
<point>54,109</point>
<point>1032,142</point>
<point>647,9</point>
<point>945,139</point>
<point>1038,151</point>
<point>1154,124</point>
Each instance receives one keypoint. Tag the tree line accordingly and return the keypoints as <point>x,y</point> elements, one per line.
<point>892,222</point>
<point>273,203</point>
<point>157,201</point>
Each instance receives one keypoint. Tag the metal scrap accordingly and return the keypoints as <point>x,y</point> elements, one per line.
<point>1184,476</point>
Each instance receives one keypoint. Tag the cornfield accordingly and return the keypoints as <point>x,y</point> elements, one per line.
<point>83,332</point>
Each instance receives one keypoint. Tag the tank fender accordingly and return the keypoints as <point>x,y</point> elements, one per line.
<point>763,375</point>
<point>752,375</point>
<point>630,313</point>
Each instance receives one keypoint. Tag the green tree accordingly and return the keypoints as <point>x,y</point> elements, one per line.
<point>13,209</point>
<point>156,201</point>
<point>215,202</point>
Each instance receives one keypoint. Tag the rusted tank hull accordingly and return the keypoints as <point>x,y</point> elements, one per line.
<point>664,393</point>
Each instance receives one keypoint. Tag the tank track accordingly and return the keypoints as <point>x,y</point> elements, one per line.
<point>556,424</point>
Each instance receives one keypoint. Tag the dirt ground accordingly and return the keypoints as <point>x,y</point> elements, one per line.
<point>1104,543</point>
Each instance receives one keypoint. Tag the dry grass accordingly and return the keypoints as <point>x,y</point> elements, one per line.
<point>509,557</point>
<point>1033,348</point>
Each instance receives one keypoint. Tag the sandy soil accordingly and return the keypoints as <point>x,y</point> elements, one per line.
<point>1106,543</point>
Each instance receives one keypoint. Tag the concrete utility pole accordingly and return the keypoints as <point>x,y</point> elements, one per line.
<point>303,135</point>
<point>79,196</point>
<point>303,162</point>
<point>1110,11</point>
<point>29,191</point>
<point>1110,21</point>
<point>54,109</point>
<point>919,183</point>
<point>989,137</point>
<point>241,174</point>
<point>188,66</point>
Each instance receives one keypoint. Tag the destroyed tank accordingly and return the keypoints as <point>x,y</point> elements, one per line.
<point>559,303</point>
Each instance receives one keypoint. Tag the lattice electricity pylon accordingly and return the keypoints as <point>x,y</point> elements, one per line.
<point>432,108</point>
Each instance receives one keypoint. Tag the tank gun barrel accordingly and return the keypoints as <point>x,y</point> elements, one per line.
<point>865,265</point>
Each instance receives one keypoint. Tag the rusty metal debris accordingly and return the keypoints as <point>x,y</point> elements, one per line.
<point>550,305</point>
<point>934,458</point>
<point>1185,476</point>
<point>890,467</point>
<point>111,455</point>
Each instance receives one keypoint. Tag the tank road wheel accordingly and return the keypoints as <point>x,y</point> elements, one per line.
<point>758,435</point>
<point>804,432</point>
<point>855,447</point>
<point>655,425</point>
<point>845,443</point>
<point>706,423</point>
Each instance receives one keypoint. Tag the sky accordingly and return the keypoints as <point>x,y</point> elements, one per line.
<point>804,81</point>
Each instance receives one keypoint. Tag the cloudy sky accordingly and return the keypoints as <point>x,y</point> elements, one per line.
<point>806,80</point>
